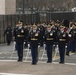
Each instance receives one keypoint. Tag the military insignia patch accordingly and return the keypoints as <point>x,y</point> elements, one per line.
<point>51,34</point>
<point>36,34</point>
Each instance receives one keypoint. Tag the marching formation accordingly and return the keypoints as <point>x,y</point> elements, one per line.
<point>47,35</point>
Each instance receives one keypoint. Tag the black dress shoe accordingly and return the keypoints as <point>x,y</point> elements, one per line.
<point>67,54</point>
<point>49,61</point>
<point>19,60</point>
<point>61,62</point>
<point>34,63</point>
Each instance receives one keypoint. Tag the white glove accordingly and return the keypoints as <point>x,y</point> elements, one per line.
<point>57,46</point>
<point>53,45</point>
<point>69,35</point>
<point>44,45</point>
<point>28,45</point>
<point>70,27</point>
<point>14,42</point>
<point>65,46</point>
<point>38,46</point>
<point>24,42</point>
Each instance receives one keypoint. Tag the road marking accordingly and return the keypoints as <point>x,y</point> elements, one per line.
<point>65,63</point>
<point>12,74</point>
<point>42,62</point>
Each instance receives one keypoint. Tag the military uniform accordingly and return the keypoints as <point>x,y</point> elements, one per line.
<point>8,33</point>
<point>62,40</point>
<point>42,34</point>
<point>34,41</point>
<point>49,40</point>
<point>73,33</point>
<point>19,36</point>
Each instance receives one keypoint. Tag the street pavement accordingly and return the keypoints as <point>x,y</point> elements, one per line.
<point>9,64</point>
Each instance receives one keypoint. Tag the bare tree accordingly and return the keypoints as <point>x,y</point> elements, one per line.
<point>48,4</point>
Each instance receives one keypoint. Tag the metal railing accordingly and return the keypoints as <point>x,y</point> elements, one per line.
<point>37,17</point>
